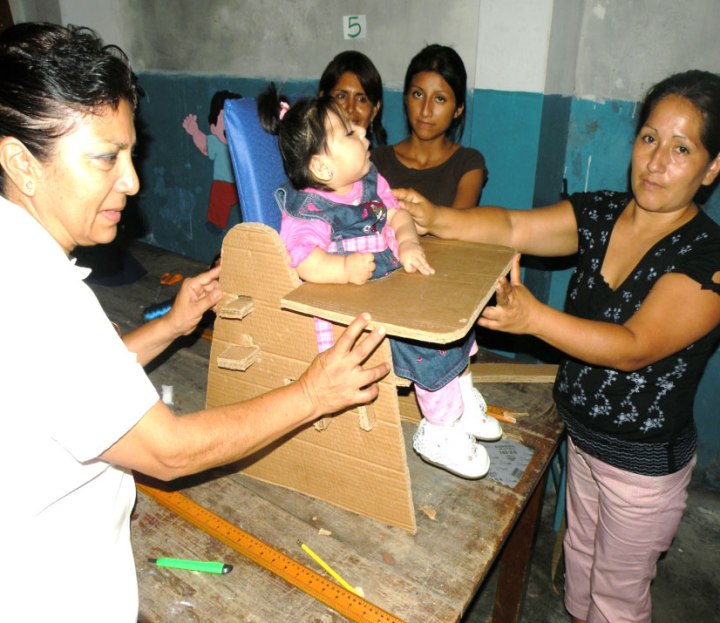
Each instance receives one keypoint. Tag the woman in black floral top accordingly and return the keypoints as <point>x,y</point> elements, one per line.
<point>642,318</point>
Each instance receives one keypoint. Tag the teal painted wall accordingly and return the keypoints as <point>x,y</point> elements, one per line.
<point>505,127</point>
<point>176,178</point>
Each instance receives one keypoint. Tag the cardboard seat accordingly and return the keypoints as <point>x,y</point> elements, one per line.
<point>264,337</point>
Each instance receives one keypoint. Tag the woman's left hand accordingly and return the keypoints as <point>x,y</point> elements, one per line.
<point>197,295</point>
<point>514,311</point>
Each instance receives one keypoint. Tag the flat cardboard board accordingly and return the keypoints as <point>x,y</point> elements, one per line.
<point>513,372</point>
<point>439,308</point>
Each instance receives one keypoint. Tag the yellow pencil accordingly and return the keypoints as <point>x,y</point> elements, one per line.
<point>327,568</point>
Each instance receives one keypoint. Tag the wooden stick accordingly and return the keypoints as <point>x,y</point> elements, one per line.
<point>505,415</point>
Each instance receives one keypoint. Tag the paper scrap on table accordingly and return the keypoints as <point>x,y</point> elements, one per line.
<point>508,460</point>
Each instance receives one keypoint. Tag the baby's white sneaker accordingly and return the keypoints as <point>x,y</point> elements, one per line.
<point>451,448</point>
<point>475,419</point>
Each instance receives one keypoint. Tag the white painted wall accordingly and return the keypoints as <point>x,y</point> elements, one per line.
<point>596,49</point>
<point>563,49</point>
<point>35,11</point>
<point>276,39</point>
<point>513,43</point>
<point>625,47</point>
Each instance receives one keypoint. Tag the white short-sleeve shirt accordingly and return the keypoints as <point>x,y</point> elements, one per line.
<point>69,391</point>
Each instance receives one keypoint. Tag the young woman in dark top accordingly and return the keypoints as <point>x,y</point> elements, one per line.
<point>430,160</point>
<point>354,82</point>
<point>642,319</point>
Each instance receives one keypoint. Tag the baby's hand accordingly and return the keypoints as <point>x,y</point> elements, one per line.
<point>412,257</point>
<point>359,267</point>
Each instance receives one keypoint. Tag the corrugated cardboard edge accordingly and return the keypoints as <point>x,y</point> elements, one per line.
<point>514,372</point>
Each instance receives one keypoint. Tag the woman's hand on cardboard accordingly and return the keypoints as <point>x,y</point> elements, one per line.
<point>336,380</point>
<point>196,296</point>
<point>514,311</point>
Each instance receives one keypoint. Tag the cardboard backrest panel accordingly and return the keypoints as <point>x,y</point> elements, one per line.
<point>364,471</point>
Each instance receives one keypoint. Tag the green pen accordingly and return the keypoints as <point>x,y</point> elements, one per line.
<point>192,565</point>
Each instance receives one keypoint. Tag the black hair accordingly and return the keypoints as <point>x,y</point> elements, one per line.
<point>49,71</point>
<point>301,132</point>
<point>446,62</point>
<point>702,90</point>
<point>218,102</point>
<point>354,62</point>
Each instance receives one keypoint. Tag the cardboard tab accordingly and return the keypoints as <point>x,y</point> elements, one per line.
<point>236,307</point>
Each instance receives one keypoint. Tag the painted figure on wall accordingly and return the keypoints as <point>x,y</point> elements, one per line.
<point>223,194</point>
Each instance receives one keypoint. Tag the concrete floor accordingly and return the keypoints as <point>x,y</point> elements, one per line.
<point>687,588</point>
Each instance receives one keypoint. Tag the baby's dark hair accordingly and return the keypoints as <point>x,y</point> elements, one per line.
<point>301,132</point>
<point>218,102</point>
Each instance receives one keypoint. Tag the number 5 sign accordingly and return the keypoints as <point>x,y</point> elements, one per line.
<point>354,26</point>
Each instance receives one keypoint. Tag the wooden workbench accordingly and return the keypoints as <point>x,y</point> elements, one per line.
<point>427,577</point>
<point>430,576</point>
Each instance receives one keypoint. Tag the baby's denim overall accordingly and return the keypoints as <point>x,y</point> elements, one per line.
<point>425,365</point>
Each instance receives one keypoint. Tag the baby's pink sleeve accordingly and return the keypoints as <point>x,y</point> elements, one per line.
<point>385,194</point>
<point>301,237</point>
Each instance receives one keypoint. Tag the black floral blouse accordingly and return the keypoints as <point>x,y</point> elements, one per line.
<point>641,421</point>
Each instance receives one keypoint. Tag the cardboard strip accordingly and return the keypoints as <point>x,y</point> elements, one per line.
<point>513,372</point>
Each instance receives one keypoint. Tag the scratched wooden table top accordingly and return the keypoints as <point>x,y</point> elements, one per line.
<point>430,576</point>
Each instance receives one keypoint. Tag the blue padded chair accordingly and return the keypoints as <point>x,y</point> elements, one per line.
<point>256,162</point>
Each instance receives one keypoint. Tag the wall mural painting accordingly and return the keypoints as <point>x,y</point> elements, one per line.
<point>223,193</point>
